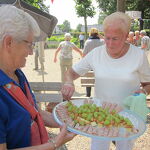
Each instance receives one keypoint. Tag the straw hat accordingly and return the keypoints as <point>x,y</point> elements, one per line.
<point>93,31</point>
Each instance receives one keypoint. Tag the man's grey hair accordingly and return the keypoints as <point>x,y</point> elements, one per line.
<point>118,20</point>
<point>143,32</point>
<point>17,23</point>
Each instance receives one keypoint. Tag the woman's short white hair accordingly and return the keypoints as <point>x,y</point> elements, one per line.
<point>67,36</point>
<point>17,23</point>
<point>118,20</point>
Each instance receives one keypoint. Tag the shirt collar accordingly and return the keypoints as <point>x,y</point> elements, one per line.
<point>4,79</point>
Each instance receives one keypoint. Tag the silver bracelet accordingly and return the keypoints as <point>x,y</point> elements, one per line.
<point>69,83</point>
<point>54,143</point>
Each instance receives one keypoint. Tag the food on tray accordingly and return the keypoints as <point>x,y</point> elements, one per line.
<point>96,120</point>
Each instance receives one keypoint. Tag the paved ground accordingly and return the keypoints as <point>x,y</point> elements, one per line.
<point>52,73</point>
<point>52,70</point>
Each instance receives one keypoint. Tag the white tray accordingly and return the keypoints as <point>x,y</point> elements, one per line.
<point>137,121</point>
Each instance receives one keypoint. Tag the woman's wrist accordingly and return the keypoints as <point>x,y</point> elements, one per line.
<point>54,143</point>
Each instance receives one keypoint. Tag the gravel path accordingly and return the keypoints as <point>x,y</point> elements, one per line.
<point>52,73</point>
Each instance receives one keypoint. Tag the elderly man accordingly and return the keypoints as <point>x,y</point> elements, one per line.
<point>145,41</point>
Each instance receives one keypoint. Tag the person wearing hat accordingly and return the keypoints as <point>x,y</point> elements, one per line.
<point>92,42</point>
<point>81,38</point>
<point>65,48</point>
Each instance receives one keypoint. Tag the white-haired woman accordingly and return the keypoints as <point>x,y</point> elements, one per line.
<point>120,70</point>
<point>22,124</point>
<point>65,48</point>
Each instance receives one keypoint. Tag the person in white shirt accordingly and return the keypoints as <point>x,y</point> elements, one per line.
<point>65,48</point>
<point>81,38</point>
<point>120,70</point>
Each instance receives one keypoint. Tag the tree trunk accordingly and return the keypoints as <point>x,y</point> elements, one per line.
<point>121,5</point>
<point>85,22</point>
<point>141,20</point>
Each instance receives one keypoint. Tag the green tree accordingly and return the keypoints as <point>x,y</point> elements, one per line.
<point>66,26</point>
<point>79,26</point>
<point>101,17</point>
<point>39,4</point>
<point>109,7</point>
<point>121,5</point>
<point>140,5</point>
<point>84,9</point>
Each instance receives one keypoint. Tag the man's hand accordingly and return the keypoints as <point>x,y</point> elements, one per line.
<point>67,91</point>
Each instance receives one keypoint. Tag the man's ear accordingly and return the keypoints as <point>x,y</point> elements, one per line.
<point>7,42</point>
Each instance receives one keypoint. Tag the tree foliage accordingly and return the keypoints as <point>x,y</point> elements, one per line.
<point>139,5</point>
<point>84,9</point>
<point>79,26</point>
<point>109,7</point>
<point>38,3</point>
<point>65,27</point>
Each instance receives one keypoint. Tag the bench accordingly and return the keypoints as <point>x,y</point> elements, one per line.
<point>88,80</point>
<point>47,91</point>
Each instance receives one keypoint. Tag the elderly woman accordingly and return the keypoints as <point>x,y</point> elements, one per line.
<point>120,69</point>
<point>22,124</point>
<point>65,48</point>
<point>130,38</point>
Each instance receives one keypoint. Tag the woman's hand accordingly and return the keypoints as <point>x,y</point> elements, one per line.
<point>64,136</point>
<point>67,91</point>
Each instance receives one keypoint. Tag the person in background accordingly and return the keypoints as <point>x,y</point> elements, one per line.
<point>145,41</point>
<point>81,39</point>
<point>130,38</point>
<point>117,76</point>
<point>92,42</point>
<point>137,39</point>
<point>65,48</point>
<point>22,122</point>
<point>39,55</point>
